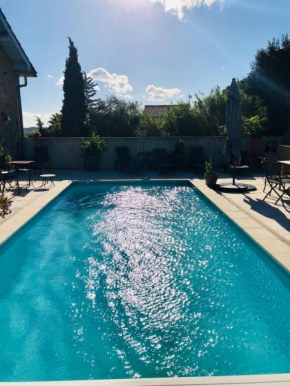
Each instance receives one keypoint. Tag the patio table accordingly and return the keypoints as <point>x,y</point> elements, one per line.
<point>26,166</point>
<point>285,166</point>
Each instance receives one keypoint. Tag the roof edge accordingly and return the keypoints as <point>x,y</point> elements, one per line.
<point>31,72</point>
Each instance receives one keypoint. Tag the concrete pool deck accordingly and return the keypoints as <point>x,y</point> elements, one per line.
<point>266,223</point>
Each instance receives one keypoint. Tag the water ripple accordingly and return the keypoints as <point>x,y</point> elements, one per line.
<point>139,281</point>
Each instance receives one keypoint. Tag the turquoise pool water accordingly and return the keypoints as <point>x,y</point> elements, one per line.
<point>123,281</point>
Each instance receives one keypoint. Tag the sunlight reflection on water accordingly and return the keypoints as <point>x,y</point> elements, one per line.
<point>129,281</point>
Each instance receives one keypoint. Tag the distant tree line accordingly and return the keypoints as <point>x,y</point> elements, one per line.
<point>265,104</point>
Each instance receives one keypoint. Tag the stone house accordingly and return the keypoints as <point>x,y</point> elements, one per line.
<point>14,65</point>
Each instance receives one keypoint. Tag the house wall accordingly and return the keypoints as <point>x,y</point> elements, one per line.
<point>65,153</point>
<point>9,104</point>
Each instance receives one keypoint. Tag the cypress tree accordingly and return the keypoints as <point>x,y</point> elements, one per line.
<point>73,109</point>
<point>90,101</point>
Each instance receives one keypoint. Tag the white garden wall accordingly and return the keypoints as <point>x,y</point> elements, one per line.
<point>65,153</point>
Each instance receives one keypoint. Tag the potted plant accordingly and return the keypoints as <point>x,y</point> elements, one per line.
<point>4,157</point>
<point>91,152</point>
<point>5,204</point>
<point>210,175</point>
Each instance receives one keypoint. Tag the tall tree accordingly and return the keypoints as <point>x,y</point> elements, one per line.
<point>55,125</point>
<point>40,125</point>
<point>73,109</point>
<point>90,101</point>
<point>270,80</point>
<point>115,117</point>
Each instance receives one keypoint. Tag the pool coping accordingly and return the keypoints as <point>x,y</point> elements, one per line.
<point>252,227</point>
<point>258,380</point>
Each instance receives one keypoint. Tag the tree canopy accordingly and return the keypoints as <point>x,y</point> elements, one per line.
<point>269,80</point>
<point>265,94</point>
<point>90,101</point>
<point>115,117</point>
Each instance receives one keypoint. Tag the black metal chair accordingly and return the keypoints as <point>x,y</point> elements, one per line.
<point>162,161</point>
<point>276,181</point>
<point>41,157</point>
<point>126,162</point>
<point>7,177</point>
<point>196,158</point>
<point>263,160</point>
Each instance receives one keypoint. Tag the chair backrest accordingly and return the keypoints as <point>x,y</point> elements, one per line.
<point>123,154</point>
<point>272,169</point>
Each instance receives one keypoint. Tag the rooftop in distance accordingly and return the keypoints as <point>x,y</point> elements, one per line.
<point>157,110</point>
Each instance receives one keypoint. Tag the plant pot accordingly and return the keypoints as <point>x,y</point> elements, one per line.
<point>211,179</point>
<point>91,162</point>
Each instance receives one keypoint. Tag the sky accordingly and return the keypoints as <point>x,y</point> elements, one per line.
<point>153,51</point>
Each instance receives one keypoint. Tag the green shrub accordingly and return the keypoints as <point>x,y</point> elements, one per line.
<point>35,134</point>
<point>4,157</point>
<point>209,169</point>
<point>94,146</point>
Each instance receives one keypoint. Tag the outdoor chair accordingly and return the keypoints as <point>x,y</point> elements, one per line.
<point>31,172</point>
<point>41,157</point>
<point>162,161</point>
<point>276,181</point>
<point>36,169</point>
<point>243,168</point>
<point>124,160</point>
<point>263,160</point>
<point>196,159</point>
<point>7,177</point>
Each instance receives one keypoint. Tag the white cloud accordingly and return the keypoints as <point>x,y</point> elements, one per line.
<point>126,96</point>
<point>159,94</point>
<point>60,81</point>
<point>29,119</point>
<point>177,7</point>
<point>49,76</point>
<point>118,84</point>
<point>97,88</point>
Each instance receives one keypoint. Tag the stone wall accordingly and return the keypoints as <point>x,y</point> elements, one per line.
<point>11,135</point>
<point>65,153</point>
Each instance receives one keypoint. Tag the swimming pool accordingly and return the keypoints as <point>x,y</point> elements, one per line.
<point>139,280</point>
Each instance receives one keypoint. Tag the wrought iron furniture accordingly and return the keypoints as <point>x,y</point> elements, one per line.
<point>46,178</point>
<point>41,157</point>
<point>124,160</point>
<point>278,183</point>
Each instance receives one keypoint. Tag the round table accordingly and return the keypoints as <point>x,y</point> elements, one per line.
<point>46,178</point>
